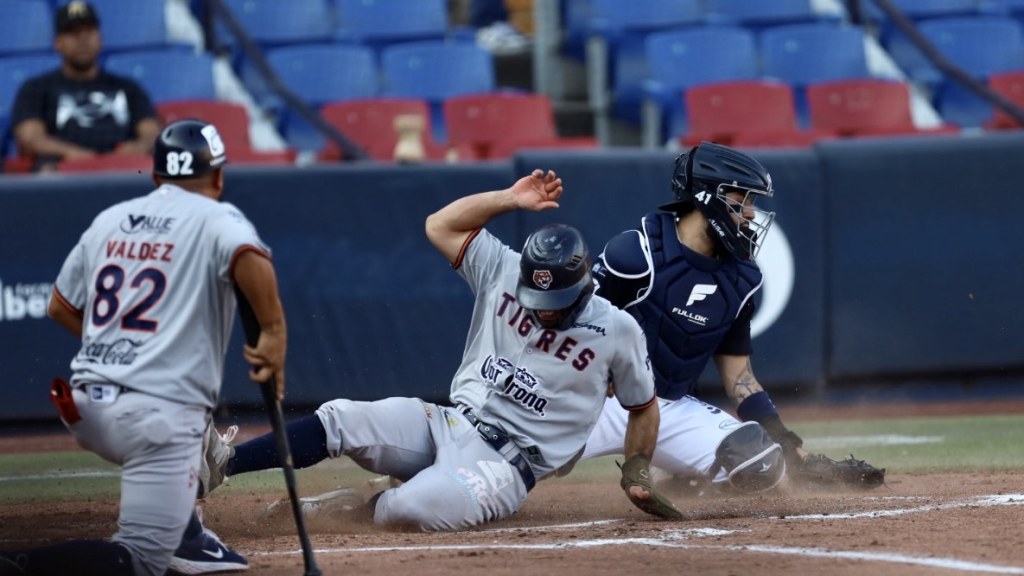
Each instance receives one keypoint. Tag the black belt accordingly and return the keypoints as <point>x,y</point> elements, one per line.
<point>500,441</point>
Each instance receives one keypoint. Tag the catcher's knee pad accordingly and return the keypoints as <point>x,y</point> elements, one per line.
<point>751,459</point>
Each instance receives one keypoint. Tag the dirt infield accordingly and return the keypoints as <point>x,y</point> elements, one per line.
<point>949,523</point>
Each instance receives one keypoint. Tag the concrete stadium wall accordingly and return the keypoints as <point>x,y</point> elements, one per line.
<point>890,258</point>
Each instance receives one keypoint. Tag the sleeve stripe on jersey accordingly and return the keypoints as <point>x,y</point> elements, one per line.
<point>64,302</point>
<point>643,406</point>
<point>241,250</point>
<point>465,246</point>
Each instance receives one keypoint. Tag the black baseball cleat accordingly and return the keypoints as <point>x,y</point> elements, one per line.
<point>205,554</point>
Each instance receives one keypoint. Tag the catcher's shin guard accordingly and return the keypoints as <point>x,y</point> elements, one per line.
<point>751,459</point>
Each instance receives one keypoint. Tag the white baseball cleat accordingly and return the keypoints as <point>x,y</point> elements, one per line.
<point>217,450</point>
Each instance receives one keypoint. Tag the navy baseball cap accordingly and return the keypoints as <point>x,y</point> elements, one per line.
<point>73,14</point>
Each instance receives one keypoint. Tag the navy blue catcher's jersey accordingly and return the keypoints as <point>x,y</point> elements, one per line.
<point>690,306</point>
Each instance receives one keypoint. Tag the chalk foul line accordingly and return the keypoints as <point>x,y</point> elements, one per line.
<point>689,539</point>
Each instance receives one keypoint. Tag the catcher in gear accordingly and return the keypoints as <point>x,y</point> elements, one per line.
<point>688,276</point>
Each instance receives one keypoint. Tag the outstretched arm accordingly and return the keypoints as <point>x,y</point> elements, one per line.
<point>449,227</point>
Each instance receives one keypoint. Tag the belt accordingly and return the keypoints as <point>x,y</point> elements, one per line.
<point>499,440</point>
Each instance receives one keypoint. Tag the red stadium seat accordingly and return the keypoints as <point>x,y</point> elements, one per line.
<point>371,125</point>
<point>864,107</point>
<point>744,110</point>
<point>495,125</point>
<point>141,163</point>
<point>1009,85</point>
<point>232,121</point>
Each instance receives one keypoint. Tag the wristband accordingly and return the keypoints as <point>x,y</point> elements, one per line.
<point>756,407</point>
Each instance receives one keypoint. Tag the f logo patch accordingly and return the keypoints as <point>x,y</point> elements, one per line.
<point>700,292</point>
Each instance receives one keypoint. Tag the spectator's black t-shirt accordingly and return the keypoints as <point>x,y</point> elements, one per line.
<point>97,114</point>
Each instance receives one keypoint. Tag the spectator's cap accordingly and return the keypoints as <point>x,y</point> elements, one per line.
<point>73,14</point>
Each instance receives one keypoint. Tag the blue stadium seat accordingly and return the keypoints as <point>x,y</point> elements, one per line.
<point>277,22</point>
<point>800,54</point>
<point>168,74</point>
<point>435,71</point>
<point>129,24</point>
<point>25,26</point>
<point>981,45</point>
<point>612,19</point>
<point>919,10</point>
<point>381,22</point>
<point>758,15</point>
<point>683,58</point>
<point>14,70</point>
<point>319,74</point>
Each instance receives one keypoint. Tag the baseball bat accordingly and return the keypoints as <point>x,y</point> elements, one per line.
<point>251,327</point>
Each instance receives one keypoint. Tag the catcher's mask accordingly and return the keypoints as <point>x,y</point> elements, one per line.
<point>724,185</point>
<point>554,276</point>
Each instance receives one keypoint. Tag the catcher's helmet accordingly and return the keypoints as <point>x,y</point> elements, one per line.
<point>554,274</point>
<point>186,149</point>
<point>704,176</point>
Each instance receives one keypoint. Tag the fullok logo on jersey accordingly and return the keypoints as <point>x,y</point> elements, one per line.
<point>143,223</point>
<point>695,318</point>
<point>543,279</point>
<point>700,292</point>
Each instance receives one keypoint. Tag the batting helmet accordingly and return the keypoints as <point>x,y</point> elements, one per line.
<point>554,274</point>
<point>704,176</point>
<point>188,148</point>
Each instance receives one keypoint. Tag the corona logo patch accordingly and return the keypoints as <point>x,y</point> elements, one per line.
<point>542,278</point>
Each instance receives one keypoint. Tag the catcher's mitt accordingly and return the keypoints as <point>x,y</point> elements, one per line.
<point>636,472</point>
<point>820,471</point>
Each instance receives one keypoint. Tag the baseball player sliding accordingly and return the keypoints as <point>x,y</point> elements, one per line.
<point>149,290</point>
<point>539,357</point>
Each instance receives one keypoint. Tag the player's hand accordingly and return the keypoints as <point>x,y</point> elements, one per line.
<point>538,191</point>
<point>636,482</point>
<point>267,358</point>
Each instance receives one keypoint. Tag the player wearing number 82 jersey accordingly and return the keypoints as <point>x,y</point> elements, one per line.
<point>149,289</point>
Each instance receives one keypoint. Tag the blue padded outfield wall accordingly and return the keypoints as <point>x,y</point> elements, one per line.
<point>890,259</point>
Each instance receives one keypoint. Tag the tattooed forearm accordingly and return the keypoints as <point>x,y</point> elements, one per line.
<point>745,385</point>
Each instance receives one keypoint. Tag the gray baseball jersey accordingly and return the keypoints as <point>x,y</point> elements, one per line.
<point>546,388</point>
<point>151,277</point>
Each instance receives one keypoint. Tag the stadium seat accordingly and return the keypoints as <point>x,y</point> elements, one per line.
<point>380,22</point>
<point>496,125</point>
<point>276,22</point>
<point>722,111</point>
<point>864,107</point>
<point>130,24</point>
<point>25,26</point>
<point>316,73</point>
<point>611,19</point>
<point>371,124</point>
<point>980,45</point>
<point>436,71</point>
<point>680,59</point>
<point>168,74</point>
<point>232,121</point>
<point>140,163</point>
<point>758,15</point>
<point>1009,85</point>
<point>800,54</point>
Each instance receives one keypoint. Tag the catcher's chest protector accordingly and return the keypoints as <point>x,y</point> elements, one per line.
<point>690,308</point>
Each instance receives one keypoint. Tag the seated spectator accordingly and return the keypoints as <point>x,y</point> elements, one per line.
<point>80,110</point>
